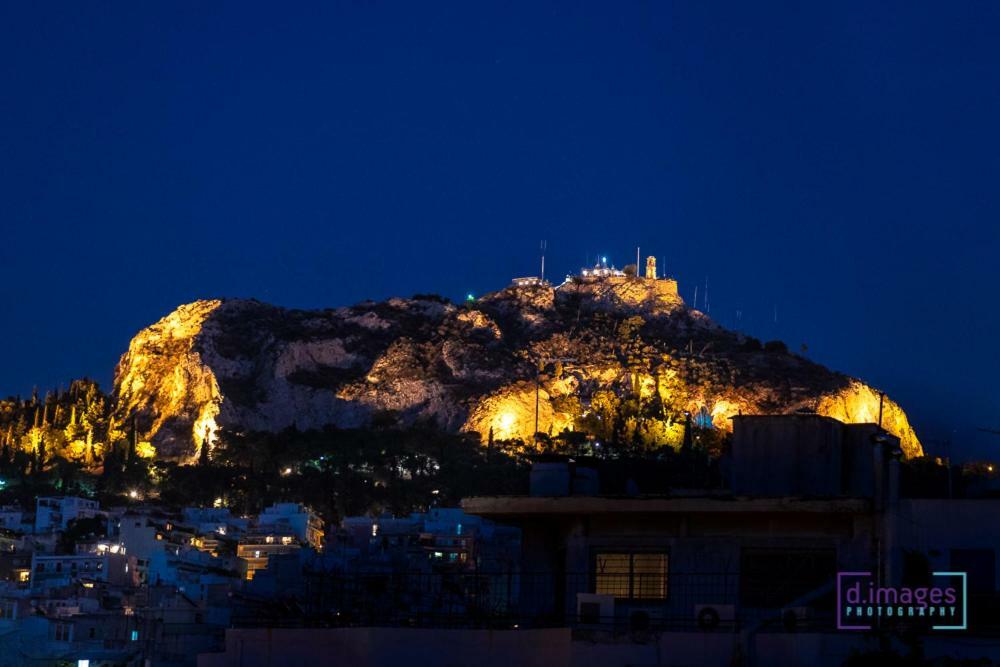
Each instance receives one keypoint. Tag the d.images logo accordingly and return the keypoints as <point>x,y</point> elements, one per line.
<point>862,603</point>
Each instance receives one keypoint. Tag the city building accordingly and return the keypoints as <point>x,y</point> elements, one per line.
<point>440,538</point>
<point>51,571</point>
<point>297,519</point>
<point>529,281</point>
<point>55,513</point>
<point>255,549</point>
<point>12,518</point>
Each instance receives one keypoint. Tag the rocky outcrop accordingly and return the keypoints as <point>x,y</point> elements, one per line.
<point>624,294</point>
<point>621,359</point>
<point>164,382</point>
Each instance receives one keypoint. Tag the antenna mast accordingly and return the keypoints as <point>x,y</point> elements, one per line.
<point>544,245</point>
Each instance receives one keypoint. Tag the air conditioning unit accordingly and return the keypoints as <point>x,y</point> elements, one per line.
<point>710,616</point>
<point>595,609</point>
<point>801,612</point>
<point>791,617</point>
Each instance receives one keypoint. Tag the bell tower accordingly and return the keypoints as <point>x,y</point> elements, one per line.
<point>651,268</point>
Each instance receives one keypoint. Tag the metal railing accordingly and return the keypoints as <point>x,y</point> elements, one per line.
<point>508,599</point>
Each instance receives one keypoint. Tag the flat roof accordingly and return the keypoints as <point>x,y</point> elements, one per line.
<point>587,505</point>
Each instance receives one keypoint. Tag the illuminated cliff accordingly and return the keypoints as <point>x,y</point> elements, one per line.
<point>165,382</point>
<point>621,360</point>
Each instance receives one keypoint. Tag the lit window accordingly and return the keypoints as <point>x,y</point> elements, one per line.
<point>135,635</point>
<point>613,575</point>
<point>637,576</point>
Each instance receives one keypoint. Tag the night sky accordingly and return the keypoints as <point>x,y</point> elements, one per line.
<point>835,163</point>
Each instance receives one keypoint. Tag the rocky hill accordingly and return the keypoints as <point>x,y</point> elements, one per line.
<point>622,358</point>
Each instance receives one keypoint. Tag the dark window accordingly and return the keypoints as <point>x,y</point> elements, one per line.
<point>771,578</point>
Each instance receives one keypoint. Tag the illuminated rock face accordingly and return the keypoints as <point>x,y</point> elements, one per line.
<point>164,381</point>
<point>625,294</point>
<point>622,358</point>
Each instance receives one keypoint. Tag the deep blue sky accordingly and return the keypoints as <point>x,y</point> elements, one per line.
<point>838,161</point>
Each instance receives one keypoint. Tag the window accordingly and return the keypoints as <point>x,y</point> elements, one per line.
<point>62,632</point>
<point>636,576</point>
<point>774,578</point>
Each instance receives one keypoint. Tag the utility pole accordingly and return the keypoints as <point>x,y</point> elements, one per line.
<point>881,400</point>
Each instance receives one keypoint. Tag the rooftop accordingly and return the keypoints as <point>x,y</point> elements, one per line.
<point>566,505</point>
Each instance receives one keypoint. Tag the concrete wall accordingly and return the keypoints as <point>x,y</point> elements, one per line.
<point>935,526</point>
<point>787,455</point>
<point>555,648</point>
<point>392,647</point>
